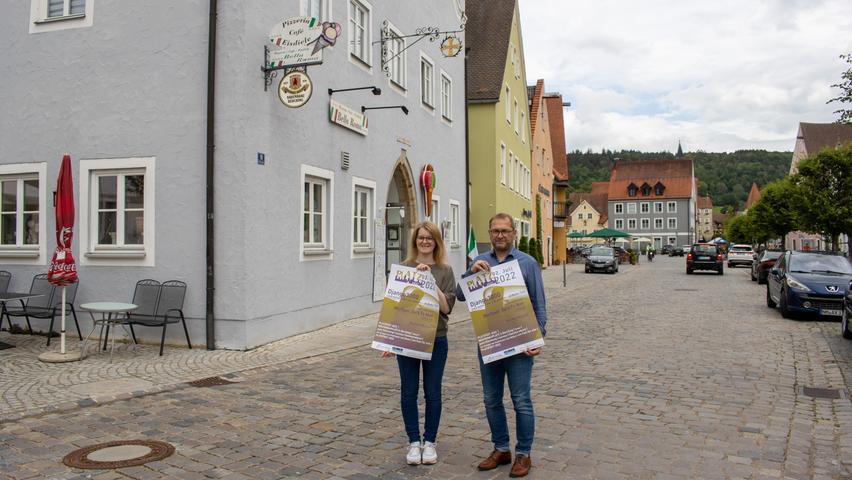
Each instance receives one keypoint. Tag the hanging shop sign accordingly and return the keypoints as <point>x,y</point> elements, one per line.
<point>451,46</point>
<point>346,117</point>
<point>295,89</point>
<point>292,43</point>
<point>428,181</point>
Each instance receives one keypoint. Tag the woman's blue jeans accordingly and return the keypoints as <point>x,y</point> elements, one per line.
<point>409,375</point>
<point>518,370</point>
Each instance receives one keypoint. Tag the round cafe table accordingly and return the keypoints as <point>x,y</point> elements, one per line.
<point>112,313</point>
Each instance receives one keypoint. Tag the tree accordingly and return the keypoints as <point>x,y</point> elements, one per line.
<point>524,244</point>
<point>775,214</point>
<point>845,96</point>
<point>738,229</point>
<point>825,185</point>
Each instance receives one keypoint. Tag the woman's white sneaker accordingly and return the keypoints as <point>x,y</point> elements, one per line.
<point>430,455</point>
<point>414,456</point>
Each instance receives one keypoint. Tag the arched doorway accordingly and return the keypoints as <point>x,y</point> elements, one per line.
<point>400,212</point>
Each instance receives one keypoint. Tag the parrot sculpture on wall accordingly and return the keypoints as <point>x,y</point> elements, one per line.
<point>427,184</point>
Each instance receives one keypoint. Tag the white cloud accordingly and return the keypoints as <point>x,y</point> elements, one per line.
<point>720,75</point>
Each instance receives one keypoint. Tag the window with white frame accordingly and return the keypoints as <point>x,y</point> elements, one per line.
<point>515,117</point>
<point>359,30</point>
<point>516,62</point>
<point>671,207</point>
<point>672,223</point>
<point>619,208</point>
<point>397,57</point>
<point>363,198</point>
<point>511,171</point>
<point>455,208</point>
<point>319,9</point>
<point>658,223</point>
<point>427,72</point>
<point>117,211</point>
<point>65,8</point>
<point>503,163</point>
<point>317,212</point>
<point>49,15</point>
<point>589,216</point>
<point>508,106</point>
<point>446,96</point>
<point>523,128</point>
<point>658,207</point>
<point>517,175</point>
<point>672,240</point>
<point>631,208</point>
<point>436,211</point>
<point>644,207</point>
<point>619,223</point>
<point>645,223</point>
<point>22,212</point>
<point>631,224</point>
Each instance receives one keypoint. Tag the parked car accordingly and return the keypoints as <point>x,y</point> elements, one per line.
<point>601,257</point>
<point>666,249</point>
<point>686,248</point>
<point>761,264</point>
<point>704,256</point>
<point>740,254</point>
<point>808,282</point>
<point>847,313</point>
<point>677,252</point>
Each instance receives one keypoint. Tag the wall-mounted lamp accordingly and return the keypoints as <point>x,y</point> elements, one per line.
<point>376,90</point>
<point>402,107</point>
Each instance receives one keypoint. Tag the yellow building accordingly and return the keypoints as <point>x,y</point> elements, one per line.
<point>542,170</point>
<point>588,213</point>
<point>499,137</point>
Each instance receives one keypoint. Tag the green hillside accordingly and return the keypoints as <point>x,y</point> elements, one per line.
<point>726,177</point>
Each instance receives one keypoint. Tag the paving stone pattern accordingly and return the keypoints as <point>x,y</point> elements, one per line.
<point>647,374</point>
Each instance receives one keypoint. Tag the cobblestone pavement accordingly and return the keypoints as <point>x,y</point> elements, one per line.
<point>648,374</point>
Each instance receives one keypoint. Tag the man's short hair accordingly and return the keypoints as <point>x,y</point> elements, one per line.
<point>502,216</point>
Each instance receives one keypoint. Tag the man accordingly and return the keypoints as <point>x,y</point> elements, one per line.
<point>517,368</point>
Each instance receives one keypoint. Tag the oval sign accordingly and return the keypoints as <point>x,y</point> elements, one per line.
<point>295,89</point>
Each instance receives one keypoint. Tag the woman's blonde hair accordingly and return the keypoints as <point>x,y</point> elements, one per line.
<point>437,254</point>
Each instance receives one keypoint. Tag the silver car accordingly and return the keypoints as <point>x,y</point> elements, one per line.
<point>601,258</point>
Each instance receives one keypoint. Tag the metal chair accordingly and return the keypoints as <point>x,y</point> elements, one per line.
<point>40,286</point>
<point>169,310</point>
<point>145,297</point>
<point>5,278</point>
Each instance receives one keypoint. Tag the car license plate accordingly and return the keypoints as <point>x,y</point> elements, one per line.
<point>830,313</point>
<point>704,258</point>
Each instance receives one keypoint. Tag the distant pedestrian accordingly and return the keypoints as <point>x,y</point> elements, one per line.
<point>426,252</point>
<point>517,368</point>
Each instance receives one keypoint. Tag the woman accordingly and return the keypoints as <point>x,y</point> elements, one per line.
<point>426,252</point>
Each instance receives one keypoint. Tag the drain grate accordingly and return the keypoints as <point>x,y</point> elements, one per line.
<point>685,289</point>
<point>210,382</point>
<point>115,454</point>
<point>829,393</point>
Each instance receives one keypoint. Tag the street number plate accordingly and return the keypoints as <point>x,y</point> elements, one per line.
<point>830,313</point>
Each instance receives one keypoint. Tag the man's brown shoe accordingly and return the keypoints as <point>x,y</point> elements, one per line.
<point>521,467</point>
<point>496,459</point>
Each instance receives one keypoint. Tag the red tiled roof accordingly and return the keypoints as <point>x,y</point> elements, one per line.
<point>705,202</point>
<point>557,135</point>
<point>598,201</point>
<point>600,187</point>
<point>675,175</point>
<point>821,135</point>
<point>535,102</point>
<point>753,196</point>
<point>489,25</point>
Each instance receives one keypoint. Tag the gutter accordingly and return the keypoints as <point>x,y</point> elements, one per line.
<point>466,163</point>
<point>211,147</point>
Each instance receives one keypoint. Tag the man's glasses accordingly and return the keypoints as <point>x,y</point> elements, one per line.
<point>425,239</point>
<point>497,233</point>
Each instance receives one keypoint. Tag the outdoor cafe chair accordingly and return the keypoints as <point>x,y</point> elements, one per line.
<point>47,305</point>
<point>169,309</point>
<point>145,297</point>
<point>5,278</point>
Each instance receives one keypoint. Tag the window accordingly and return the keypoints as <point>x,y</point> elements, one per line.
<point>117,211</point>
<point>646,189</point>
<point>515,118</point>
<point>644,207</point>
<point>516,62</point>
<point>22,216</point>
<point>672,207</point>
<point>631,224</point>
<point>396,57</point>
<point>49,15</point>
<point>579,216</point>
<point>523,128</point>
<point>589,216</point>
<point>503,163</point>
<point>359,30</point>
<point>511,171</point>
<point>672,240</point>
<point>631,190</point>
<point>508,107</point>
<point>317,213</point>
<point>631,208</point>
<point>517,175</point>
<point>672,224</point>
<point>454,223</point>
<point>619,208</point>
<point>363,206</point>
<point>659,188</point>
<point>436,211</point>
<point>658,207</point>
<point>658,223</point>
<point>319,9</point>
<point>446,96</point>
<point>427,94</point>
<point>619,224</point>
<point>645,223</point>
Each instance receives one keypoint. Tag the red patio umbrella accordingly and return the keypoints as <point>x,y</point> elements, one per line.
<point>63,271</point>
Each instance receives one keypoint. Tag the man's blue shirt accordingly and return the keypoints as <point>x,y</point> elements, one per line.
<point>531,272</point>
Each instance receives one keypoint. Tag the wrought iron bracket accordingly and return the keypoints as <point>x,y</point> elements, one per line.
<point>431,33</point>
<point>269,73</point>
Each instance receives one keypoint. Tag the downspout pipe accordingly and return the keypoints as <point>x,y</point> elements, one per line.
<point>211,148</point>
<point>466,163</point>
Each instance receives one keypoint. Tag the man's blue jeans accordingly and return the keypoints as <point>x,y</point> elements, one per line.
<point>409,375</point>
<point>518,369</point>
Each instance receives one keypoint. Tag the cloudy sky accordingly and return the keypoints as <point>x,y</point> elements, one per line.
<point>719,75</point>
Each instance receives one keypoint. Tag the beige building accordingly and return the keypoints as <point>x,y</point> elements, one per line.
<point>556,125</point>
<point>588,213</point>
<point>704,219</point>
<point>541,162</point>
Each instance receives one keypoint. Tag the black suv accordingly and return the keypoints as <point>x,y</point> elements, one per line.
<point>704,256</point>
<point>667,249</point>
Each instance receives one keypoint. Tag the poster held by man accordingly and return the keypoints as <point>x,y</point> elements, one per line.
<point>409,315</point>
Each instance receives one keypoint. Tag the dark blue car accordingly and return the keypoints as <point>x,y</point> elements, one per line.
<point>847,313</point>
<point>808,282</point>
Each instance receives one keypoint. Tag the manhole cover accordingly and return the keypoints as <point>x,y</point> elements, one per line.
<point>210,382</point>
<point>830,393</point>
<point>118,454</point>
